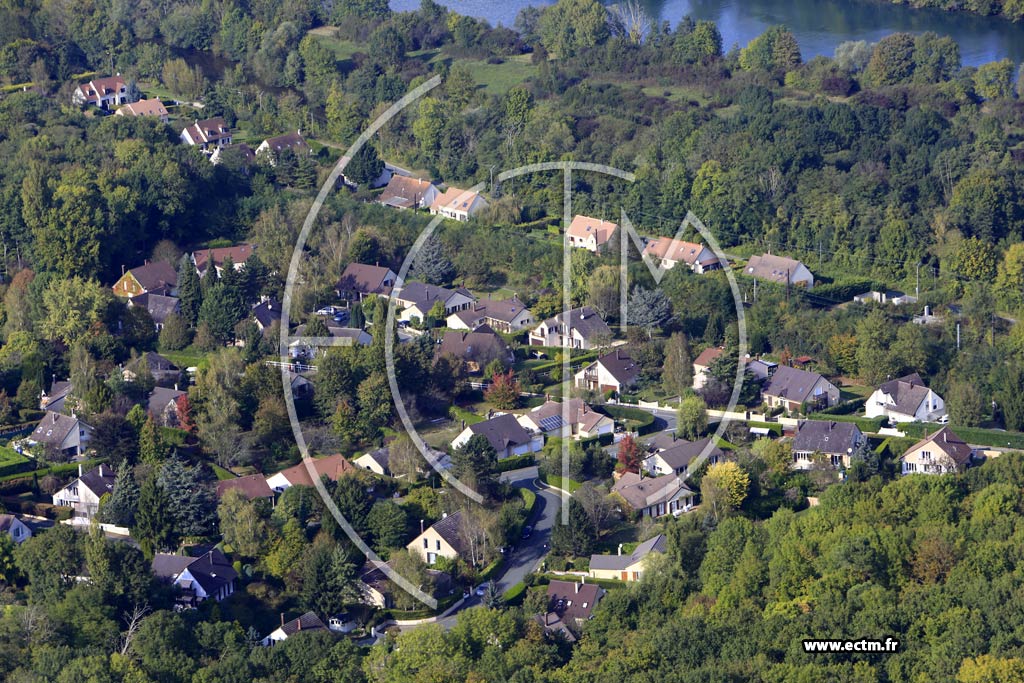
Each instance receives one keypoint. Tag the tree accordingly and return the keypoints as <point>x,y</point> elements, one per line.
<point>67,234</point>
<point>72,305</point>
<point>649,308</point>
<point>192,503</point>
<point>1010,399</point>
<point>219,312</point>
<point>692,417</point>
<point>51,562</point>
<point>350,497</point>
<point>677,370</point>
<point>504,391</point>
<point>602,287</point>
<point>853,55</point>
<point>387,524</point>
<point>599,507</point>
<point>723,487</point>
<point>874,335</point>
<point>328,578</point>
<point>630,454</point>
<point>774,454</point>
<point>994,80</point>
<point>774,50</point>
<point>892,60</point>
<point>404,458</point>
<point>151,447</point>
<point>577,537</point>
<point>473,463</point>
<point>569,26</point>
<point>358,318</point>
<point>242,523</point>
<point>175,334</point>
<point>120,509</point>
<point>431,264</point>
<point>365,167</point>
<point>1010,278</point>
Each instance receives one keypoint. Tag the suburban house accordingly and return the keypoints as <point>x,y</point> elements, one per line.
<point>271,148</point>
<point>629,567</point>
<point>503,315</point>
<point>441,539</point>
<point>15,528</point>
<point>376,589</point>
<point>238,254</point>
<point>302,348</point>
<point>677,457</point>
<point>840,442</point>
<point>459,205</point>
<point>307,622</point>
<point>65,434</point>
<point>161,368</point>
<point>105,93</point>
<point>159,306</point>
<point>208,134</point>
<point>654,496</point>
<point>209,576</point>
<point>403,192</point>
<point>614,371</point>
<point>84,493</point>
<point>779,269</point>
<point>300,386</point>
<point>242,153</point>
<point>906,399</point>
<point>702,366</point>
<point>153,107</point>
<point>376,461</point>
<point>54,399</point>
<point>580,328</point>
<point>476,349</point>
<point>791,389</point>
<point>589,233</point>
<point>360,281</point>
<point>333,467</point>
<point>761,369</point>
<point>940,452</point>
<point>382,179</point>
<point>668,252</point>
<point>252,487</point>
<point>416,299</point>
<point>266,313</point>
<point>505,435</point>
<point>163,406</point>
<point>570,605</point>
<point>158,277</point>
<point>584,422</point>
<point>887,297</point>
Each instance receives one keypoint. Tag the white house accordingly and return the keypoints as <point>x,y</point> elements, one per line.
<point>676,458</point>
<point>779,269</point>
<point>584,422</point>
<point>271,148</point>
<point>84,493</point>
<point>15,528</point>
<point>628,567</point>
<point>403,192</point>
<point>459,205</point>
<point>668,252</point>
<point>307,622</point>
<point>209,576</point>
<point>505,435</point>
<point>301,348</point>
<point>614,371</point>
<point>589,233</point>
<point>503,315</point>
<point>376,461</point>
<point>417,299</point>
<point>702,366</point>
<point>153,107</point>
<point>580,328</point>
<point>840,443</point>
<point>65,434</point>
<point>208,134</point>
<point>940,452</point>
<point>654,496</point>
<point>906,399</point>
<point>105,93</point>
<point>441,539</point>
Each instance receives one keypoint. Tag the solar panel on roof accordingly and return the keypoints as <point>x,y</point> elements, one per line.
<point>550,423</point>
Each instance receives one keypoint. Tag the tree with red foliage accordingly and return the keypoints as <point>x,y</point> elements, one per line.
<point>504,391</point>
<point>184,408</point>
<point>629,454</point>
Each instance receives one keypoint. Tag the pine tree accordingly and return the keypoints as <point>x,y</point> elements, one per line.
<point>575,539</point>
<point>175,335</point>
<point>151,447</point>
<point>153,525</point>
<point>124,500</point>
<point>358,318</point>
<point>189,291</point>
<point>191,500</point>
<point>432,265</point>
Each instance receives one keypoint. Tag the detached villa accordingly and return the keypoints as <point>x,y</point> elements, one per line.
<point>459,205</point>
<point>628,567</point>
<point>83,494</point>
<point>940,452</point>
<point>654,497</point>
<point>906,399</point>
<point>505,434</point>
<point>441,539</point>
<point>580,328</point>
<point>668,253</point>
<point>209,576</point>
<point>589,233</point>
<point>791,389</point>
<point>105,93</point>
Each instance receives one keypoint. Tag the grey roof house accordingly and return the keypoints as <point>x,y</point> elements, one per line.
<point>840,442</point>
<point>791,389</point>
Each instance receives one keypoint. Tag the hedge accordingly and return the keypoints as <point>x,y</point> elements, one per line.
<point>865,424</point>
<point>644,419</point>
<point>492,570</point>
<point>845,290</point>
<point>973,435</point>
<point>846,407</point>
<point>13,462</point>
<point>516,462</point>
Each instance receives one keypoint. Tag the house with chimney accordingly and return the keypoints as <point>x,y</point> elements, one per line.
<point>584,422</point>
<point>162,404</point>
<point>579,328</point>
<point>403,192</point>
<point>780,270</point>
<point>629,566</point>
<point>156,277</point>
<point>64,434</point>
<point>505,434</point>
<point>208,135</point>
<point>792,390</point>
<point>906,399</point>
<point>837,443</point>
<point>941,452</point>
<point>159,306</point>
<point>207,577</point>
<point>106,93</point>
<point>54,399</point>
<point>614,371</point>
<point>475,349</point>
<point>443,538</point>
<point>702,366</point>
<point>266,313</point>
<point>377,590</point>
<point>504,315</point>
<point>271,148</point>
<point>417,299</point>
<point>83,494</point>
<point>360,280</point>
<point>668,253</point>
<point>377,461</point>
<point>153,108</point>
<point>677,457</point>
<point>589,233</point>
<point>307,623</point>
<point>570,605</point>
<point>333,467</point>
<point>458,205</point>
<point>653,497</point>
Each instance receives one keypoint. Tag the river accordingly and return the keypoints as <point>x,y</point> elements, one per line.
<point>819,25</point>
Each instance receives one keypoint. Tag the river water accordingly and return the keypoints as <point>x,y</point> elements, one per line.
<point>819,25</point>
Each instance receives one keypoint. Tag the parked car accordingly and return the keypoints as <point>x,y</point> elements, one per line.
<point>481,590</point>
<point>944,420</point>
<point>327,310</point>
<point>341,316</point>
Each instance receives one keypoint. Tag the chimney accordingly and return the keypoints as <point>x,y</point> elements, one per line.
<point>101,469</point>
<point>421,526</point>
<point>79,469</point>
<point>122,272</point>
<point>620,549</point>
<point>298,624</point>
<point>577,586</point>
<point>282,619</point>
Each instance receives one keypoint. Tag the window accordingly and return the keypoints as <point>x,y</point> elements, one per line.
<point>438,544</point>
<point>909,467</point>
<point>426,543</point>
<point>926,456</point>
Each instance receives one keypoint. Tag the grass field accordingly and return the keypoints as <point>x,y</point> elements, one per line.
<point>187,358</point>
<point>342,49</point>
<point>12,462</point>
<point>497,79</point>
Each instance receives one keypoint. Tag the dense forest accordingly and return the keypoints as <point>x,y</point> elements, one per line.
<point>1011,9</point>
<point>886,166</point>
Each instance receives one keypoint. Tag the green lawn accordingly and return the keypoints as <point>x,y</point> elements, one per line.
<point>497,79</point>
<point>342,49</point>
<point>221,472</point>
<point>555,480</point>
<point>12,462</point>
<point>470,418</point>
<point>187,358</point>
